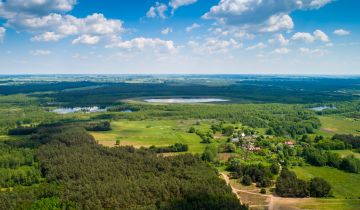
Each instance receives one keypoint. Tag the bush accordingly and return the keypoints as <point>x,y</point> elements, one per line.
<point>288,185</point>
<point>350,164</point>
<point>263,191</point>
<point>318,187</point>
<point>246,180</point>
<point>210,153</point>
<point>275,168</point>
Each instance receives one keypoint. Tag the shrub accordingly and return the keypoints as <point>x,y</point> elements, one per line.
<point>318,187</point>
<point>263,191</point>
<point>246,180</point>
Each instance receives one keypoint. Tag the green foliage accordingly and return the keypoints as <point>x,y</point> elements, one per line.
<point>210,154</point>
<point>246,180</point>
<point>288,185</point>
<point>350,164</point>
<point>263,191</point>
<point>89,176</point>
<point>318,187</point>
<point>226,148</point>
<point>178,147</point>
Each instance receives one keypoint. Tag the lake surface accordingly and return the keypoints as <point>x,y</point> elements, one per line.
<point>79,109</point>
<point>184,100</point>
<point>321,108</point>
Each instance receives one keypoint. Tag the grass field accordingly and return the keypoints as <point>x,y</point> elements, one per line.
<point>344,185</point>
<point>151,132</point>
<point>344,153</point>
<point>339,124</point>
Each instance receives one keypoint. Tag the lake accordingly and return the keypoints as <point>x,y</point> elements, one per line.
<point>79,109</point>
<point>321,108</point>
<point>184,100</point>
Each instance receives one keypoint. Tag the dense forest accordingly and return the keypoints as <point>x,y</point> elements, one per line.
<point>73,172</point>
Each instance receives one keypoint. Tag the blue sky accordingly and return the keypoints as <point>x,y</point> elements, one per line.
<point>180,36</point>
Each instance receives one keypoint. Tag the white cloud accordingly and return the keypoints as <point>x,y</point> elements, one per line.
<point>192,27</point>
<point>40,52</point>
<point>86,39</point>
<point>179,3</point>
<point>316,52</point>
<point>157,11</point>
<point>279,38</point>
<point>302,36</point>
<point>213,46</point>
<point>35,7</point>
<point>166,31</point>
<point>341,32</point>
<point>142,44</point>
<point>47,37</point>
<point>56,26</point>
<point>269,16</point>
<point>277,22</point>
<point>2,34</point>
<point>258,46</point>
<point>282,51</point>
<point>320,35</point>
<point>307,37</point>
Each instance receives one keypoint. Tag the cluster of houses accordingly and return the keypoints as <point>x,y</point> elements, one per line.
<point>248,142</point>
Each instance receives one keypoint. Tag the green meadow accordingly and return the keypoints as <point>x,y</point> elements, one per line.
<point>338,124</point>
<point>151,132</point>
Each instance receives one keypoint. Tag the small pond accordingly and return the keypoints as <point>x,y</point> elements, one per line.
<point>184,100</point>
<point>321,108</point>
<point>79,109</point>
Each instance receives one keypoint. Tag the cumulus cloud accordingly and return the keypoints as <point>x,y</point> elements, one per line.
<point>282,51</point>
<point>307,37</point>
<point>341,32</point>
<point>166,31</point>
<point>47,21</point>
<point>179,3</point>
<point>11,8</point>
<point>320,35</point>
<point>142,44</point>
<point>40,52</point>
<point>157,11</point>
<point>257,46</point>
<point>213,46</point>
<point>192,27</point>
<point>86,39</point>
<point>279,38</point>
<point>53,27</point>
<point>2,34</point>
<point>269,16</point>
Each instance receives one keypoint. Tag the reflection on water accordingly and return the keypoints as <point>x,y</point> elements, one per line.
<point>321,108</point>
<point>79,109</point>
<point>184,100</point>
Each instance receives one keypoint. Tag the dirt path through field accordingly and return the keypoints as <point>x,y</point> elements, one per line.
<point>236,192</point>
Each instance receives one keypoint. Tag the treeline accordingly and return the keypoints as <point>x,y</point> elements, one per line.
<point>318,157</point>
<point>17,167</point>
<point>350,140</point>
<point>280,119</point>
<point>178,147</point>
<point>288,185</point>
<point>81,174</point>
<point>253,173</point>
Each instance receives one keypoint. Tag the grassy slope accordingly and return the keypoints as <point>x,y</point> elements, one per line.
<point>344,185</point>
<point>151,132</point>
